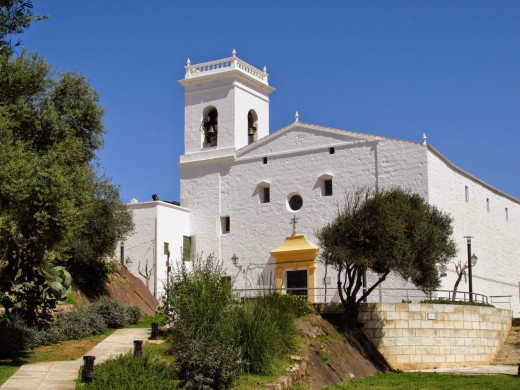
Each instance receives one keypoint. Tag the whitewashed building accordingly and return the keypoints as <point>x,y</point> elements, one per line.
<point>242,185</point>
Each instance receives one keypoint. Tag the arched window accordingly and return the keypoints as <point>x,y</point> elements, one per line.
<point>252,126</point>
<point>210,127</point>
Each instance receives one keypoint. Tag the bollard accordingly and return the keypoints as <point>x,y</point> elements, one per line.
<point>88,369</point>
<point>518,372</point>
<point>155,331</point>
<point>138,347</point>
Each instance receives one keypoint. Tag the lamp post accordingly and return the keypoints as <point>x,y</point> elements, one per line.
<point>122,253</point>
<point>234,259</point>
<point>168,269</point>
<point>472,260</point>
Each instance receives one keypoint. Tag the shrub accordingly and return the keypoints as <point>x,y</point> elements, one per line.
<point>49,336</point>
<point>16,337</point>
<point>128,373</point>
<point>133,314</point>
<point>199,298</point>
<point>262,333</point>
<point>288,303</point>
<point>446,301</point>
<point>79,323</point>
<point>205,364</point>
<point>111,311</point>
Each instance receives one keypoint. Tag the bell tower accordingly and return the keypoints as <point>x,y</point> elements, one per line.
<point>226,107</point>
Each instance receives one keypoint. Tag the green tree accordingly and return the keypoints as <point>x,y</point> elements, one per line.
<point>51,199</point>
<point>107,221</point>
<point>385,231</point>
<point>15,17</point>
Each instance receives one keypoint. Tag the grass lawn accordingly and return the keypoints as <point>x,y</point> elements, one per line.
<point>255,381</point>
<point>146,321</point>
<point>431,381</point>
<point>67,350</point>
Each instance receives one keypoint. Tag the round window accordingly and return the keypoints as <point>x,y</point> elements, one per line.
<point>295,202</point>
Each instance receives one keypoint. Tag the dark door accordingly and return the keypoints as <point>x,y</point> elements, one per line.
<point>297,283</point>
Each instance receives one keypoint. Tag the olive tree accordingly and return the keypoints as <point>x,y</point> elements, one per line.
<point>385,231</point>
<point>55,210</point>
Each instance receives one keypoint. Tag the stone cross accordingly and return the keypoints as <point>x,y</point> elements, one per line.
<point>293,221</point>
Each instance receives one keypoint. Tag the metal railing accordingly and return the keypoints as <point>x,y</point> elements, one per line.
<point>380,295</point>
<point>501,301</point>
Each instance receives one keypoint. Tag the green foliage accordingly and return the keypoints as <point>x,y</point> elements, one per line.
<point>206,364</point>
<point>54,209</point>
<point>199,298</point>
<point>385,231</point>
<point>15,17</point>
<point>148,371</point>
<point>200,335</point>
<point>107,221</point>
<point>15,336</point>
<point>446,301</point>
<point>208,327</point>
<point>111,311</point>
<point>421,380</point>
<point>79,323</point>
<point>263,331</point>
<point>287,303</point>
<point>132,314</point>
<point>146,321</point>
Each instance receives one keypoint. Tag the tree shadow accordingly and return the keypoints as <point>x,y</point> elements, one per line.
<point>359,340</point>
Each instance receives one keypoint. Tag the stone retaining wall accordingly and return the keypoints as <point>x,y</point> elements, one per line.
<point>420,336</point>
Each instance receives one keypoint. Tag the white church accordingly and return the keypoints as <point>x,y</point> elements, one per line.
<point>255,198</point>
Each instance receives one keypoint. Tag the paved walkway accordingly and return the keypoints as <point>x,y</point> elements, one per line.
<point>477,370</point>
<point>62,375</point>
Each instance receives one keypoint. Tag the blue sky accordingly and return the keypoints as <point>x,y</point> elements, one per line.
<point>450,69</point>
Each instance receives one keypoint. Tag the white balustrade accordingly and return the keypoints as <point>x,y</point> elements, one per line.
<point>224,65</point>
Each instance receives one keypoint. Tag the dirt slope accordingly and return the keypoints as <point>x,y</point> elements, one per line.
<point>127,289</point>
<point>334,357</point>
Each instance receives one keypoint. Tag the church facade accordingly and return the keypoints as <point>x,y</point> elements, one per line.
<point>255,198</point>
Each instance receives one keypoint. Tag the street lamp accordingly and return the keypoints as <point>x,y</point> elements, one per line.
<point>122,256</point>
<point>234,259</point>
<point>472,260</point>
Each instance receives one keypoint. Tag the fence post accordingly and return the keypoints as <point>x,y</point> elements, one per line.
<point>138,347</point>
<point>88,369</point>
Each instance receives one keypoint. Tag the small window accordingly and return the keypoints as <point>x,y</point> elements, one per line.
<point>225,225</point>
<point>266,195</point>
<point>466,192</point>
<point>325,182</point>
<point>166,248</point>
<point>332,151</point>
<point>327,187</point>
<point>487,205</point>
<point>186,248</point>
<point>507,215</point>
<point>295,202</point>
<point>264,160</point>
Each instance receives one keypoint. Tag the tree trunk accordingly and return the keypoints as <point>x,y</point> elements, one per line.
<point>351,314</point>
<point>456,286</point>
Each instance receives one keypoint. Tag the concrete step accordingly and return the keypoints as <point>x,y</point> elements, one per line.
<point>510,352</point>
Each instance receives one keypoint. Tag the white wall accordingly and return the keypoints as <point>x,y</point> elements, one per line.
<point>495,238</point>
<point>156,223</point>
<point>213,190</point>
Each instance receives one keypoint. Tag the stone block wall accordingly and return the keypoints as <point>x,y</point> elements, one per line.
<point>420,336</point>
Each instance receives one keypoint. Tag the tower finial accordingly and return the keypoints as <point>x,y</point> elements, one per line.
<point>265,69</point>
<point>296,117</point>
<point>234,53</point>
<point>424,139</point>
<point>188,62</point>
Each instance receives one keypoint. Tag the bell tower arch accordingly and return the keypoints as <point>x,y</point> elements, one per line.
<point>226,107</point>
